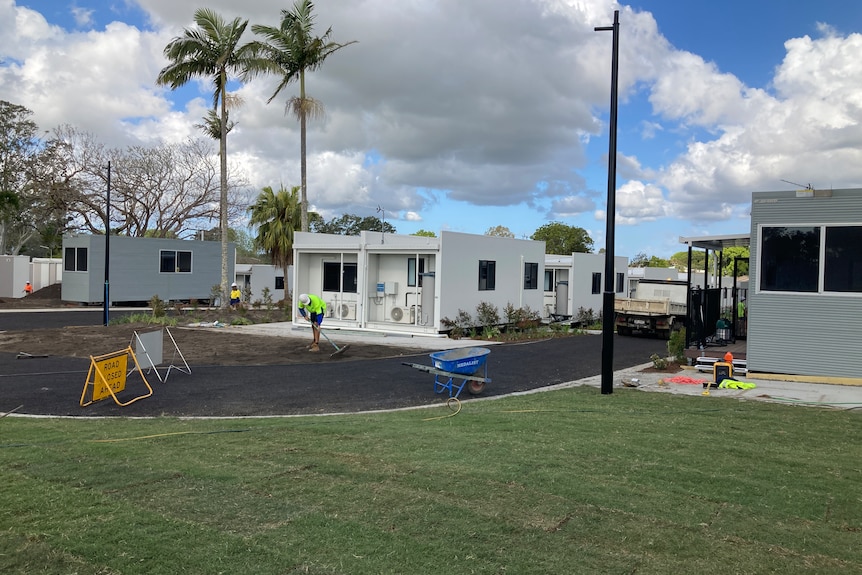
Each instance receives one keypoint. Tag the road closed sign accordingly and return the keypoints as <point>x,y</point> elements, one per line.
<point>110,376</point>
<point>107,377</point>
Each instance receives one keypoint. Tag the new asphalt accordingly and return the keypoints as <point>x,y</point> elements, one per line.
<point>54,385</point>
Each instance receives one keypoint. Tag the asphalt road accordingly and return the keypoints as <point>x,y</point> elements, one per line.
<point>54,385</point>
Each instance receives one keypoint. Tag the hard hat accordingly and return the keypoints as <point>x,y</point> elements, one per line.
<point>303,297</point>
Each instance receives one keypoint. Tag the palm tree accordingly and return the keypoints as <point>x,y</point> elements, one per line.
<point>291,50</point>
<point>211,50</point>
<point>277,216</point>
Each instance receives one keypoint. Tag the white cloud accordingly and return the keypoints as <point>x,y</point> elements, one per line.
<point>83,17</point>
<point>809,131</point>
<point>637,202</point>
<point>494,107</point>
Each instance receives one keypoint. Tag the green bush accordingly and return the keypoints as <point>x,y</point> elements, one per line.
<point>658,361</point>
<point>144,318</point>
<point>676,345</point>
<point>487,314</point>
<point>460,326</point>
<point>158,306</point>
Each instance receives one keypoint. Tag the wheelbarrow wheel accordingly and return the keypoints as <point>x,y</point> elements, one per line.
<point>475,387</point>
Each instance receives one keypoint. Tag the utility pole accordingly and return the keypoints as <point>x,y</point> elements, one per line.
<point>107,304</point>
<point>608,295</point>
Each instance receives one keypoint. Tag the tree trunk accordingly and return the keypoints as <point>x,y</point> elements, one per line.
<point>223,198</point>
<point>302,169</point>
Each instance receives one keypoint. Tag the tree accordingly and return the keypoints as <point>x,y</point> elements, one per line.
<point>679,260</point>
<point>424,233</point>
<point>211,50</point>
<point>499,232</point>
<point>352,225</point>
<point>641,260</point>
<point>167,190</point>
<point>277,217</point>
<point>291,49</point>
<point>728,254</point>
<point>562,239</point>
<point>18,145</point>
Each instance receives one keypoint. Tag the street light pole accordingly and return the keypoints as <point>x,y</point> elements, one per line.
<point>608,295</point>
<point>107,304</point>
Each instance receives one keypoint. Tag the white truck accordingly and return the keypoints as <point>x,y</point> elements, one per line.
<point>659,308</point>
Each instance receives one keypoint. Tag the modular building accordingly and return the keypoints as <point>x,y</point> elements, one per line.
<point>255,278</point>
<point>414,283</point>
<point>805,296</point>
<point>574,284</point>
<point>141,268</point>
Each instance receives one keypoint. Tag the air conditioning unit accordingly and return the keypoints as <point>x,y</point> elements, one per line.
<point>347,311</point>
<point>330,309</point>
<point>400,315</point>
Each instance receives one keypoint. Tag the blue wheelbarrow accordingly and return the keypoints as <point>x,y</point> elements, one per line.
<point>456,369</point>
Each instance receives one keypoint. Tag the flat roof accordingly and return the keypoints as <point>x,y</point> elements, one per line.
<point>718,243</point>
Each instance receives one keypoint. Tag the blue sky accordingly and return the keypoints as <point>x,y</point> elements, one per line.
<point>492,117</point>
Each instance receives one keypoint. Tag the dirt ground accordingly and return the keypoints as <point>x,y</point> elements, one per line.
<point>199,345</point>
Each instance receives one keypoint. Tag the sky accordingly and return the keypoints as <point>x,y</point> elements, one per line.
<point>466,115</point>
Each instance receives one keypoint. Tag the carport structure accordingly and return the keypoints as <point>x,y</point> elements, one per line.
<point>704,303</point>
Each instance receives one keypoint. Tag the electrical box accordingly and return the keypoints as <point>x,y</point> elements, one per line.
<point>387,288</point>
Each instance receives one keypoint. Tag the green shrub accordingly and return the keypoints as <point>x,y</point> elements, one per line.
<point>267,299</point>
<point>460,326</point>
<point>676,345</point>
<point>158,306</point>
<point>144,318</point>
<point>487,314</point>
<point>658,361</point>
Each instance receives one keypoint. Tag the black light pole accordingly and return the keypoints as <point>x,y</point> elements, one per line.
<point>107,304</point>
<point>608,295</point>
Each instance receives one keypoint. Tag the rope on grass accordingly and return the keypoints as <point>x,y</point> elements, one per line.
<point>117,440</point>
<point>455,410</point>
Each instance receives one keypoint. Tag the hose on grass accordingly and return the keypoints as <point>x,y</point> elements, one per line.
<point>119,439</point>
<point>449,403</point>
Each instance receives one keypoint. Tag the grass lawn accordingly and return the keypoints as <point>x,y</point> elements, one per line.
<point>568,481</point>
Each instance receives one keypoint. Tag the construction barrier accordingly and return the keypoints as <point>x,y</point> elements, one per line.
<point>107,377</point>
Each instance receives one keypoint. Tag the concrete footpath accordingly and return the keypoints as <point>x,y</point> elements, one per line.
<point>768,387</point>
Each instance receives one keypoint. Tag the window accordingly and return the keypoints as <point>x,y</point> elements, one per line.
<point>597,282</point>
<point>621,283</point>
<point>790,259</point>
<point>843,265</point>
<point>171,261</point>
<point>279,282</point>
<point>75,260</point>
<point>531,275</point>
<point>412,278</point>
<point>338,279</point>
<point>487,274</point>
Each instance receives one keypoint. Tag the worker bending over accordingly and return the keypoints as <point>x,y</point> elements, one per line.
<point>312,308</point>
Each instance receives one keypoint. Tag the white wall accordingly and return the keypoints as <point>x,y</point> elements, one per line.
<point>45,272</point>
<point>260,276</point>
<point>458,279</point>
<point>578,269</point>
<point>384,259</point>
<point>14,273</point>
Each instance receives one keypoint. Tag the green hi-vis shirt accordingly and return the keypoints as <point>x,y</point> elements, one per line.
<point>316,305</point>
